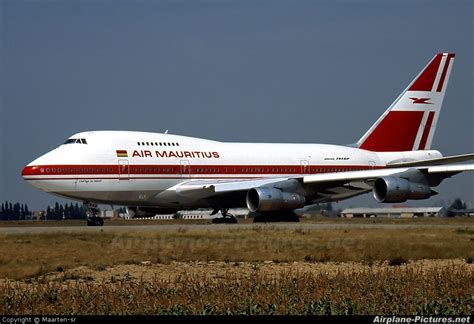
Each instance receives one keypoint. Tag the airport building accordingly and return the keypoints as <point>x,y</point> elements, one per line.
<point>403,212</point>
<point>196,214</point>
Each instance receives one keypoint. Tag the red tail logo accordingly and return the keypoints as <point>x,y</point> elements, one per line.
<point>421,101</point>
<point>410,122</point>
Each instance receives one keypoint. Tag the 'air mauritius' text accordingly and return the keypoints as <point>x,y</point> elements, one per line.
<point>176,154</point>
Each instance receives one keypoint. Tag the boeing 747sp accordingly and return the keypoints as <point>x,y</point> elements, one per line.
<point>155,173</point>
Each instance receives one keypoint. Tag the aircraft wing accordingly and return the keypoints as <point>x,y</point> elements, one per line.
<point>438,161</point>
<point>209,188</point>
<point>368,175</point>
<point>343,185</point>
<point>329,186</point>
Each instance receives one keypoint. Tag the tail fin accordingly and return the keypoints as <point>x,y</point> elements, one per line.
<point>410,122</point>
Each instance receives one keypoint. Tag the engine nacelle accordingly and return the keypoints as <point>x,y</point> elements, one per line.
<point>395,190</point>
<point>142,212</point>
<point>264,199</point>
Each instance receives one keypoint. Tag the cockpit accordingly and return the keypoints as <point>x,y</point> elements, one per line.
<point>76,141</point>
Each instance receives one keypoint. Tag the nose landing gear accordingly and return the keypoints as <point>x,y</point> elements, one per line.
<point>93,218</point>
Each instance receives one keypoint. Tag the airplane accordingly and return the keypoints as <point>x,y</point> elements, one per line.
<point>155,173</point>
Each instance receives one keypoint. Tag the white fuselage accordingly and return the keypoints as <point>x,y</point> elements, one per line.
<point>141,169</point>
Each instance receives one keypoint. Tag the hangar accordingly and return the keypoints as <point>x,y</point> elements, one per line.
<point>403,212</point>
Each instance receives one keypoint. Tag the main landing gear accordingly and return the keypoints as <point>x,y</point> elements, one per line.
<point>93,218</point>
<point>226,216</point>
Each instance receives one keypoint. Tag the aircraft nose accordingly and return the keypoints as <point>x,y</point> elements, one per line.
<point>29,170</point>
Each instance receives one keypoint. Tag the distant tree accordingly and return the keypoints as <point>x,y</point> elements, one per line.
<point>48,213</point>
<point>77,211</point>
<point>27,212</point>
<point>61,212</point>
<point>83,213</point>
<point>56,211</point>
<point>66,211</point>
<point>16,211</point>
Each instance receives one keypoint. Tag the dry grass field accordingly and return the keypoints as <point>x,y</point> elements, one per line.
<point>421,287</point>
<point>256,270</point>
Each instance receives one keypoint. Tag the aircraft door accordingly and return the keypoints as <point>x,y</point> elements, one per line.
<point>185,169</point>
<point>124,170</point>
<point>372,164</point>
<point>305,167</point>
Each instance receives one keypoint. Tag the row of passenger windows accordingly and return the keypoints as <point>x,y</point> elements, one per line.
<point>243,170</point>
<point>195,170</point>
<point>157,144</point>
<point>77,170</point>
<point>76,140</point>
<point>153,170</point>
<point>320,170</point>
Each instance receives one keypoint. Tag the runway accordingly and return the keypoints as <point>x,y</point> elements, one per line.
<point>214,227</point>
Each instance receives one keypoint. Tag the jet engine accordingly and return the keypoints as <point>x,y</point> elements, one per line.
<point>265,199</point>
<point>395,190</point>
<point>142,212</point>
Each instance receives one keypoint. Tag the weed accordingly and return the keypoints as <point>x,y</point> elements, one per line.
<point>378,290</point>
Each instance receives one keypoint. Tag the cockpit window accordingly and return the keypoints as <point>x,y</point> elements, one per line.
<point>76,140</point>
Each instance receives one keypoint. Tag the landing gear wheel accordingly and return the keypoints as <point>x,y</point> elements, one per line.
<point>226,218</point>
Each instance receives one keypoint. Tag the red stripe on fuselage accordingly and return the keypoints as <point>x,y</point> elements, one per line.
<point>445,71</point>
<point>425,80</point>
<point>395,133</point>
<point>102,170</point>
<point>426,131</point>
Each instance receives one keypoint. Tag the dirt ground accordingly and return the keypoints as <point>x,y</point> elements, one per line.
<point>218,269</point>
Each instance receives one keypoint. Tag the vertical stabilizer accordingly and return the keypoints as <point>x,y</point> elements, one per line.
<point>410,122</point>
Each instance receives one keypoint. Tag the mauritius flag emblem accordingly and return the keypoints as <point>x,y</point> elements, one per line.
<point>122,153</point>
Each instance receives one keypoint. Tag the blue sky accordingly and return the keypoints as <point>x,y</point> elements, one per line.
<point>261,71</point>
